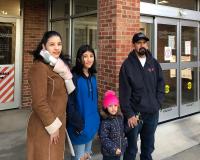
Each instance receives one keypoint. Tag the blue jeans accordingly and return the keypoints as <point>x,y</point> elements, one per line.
<point>147,131</point>
<point>81,149</point>
<point>111,157</point>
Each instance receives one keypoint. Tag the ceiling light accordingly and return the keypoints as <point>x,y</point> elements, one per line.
<point>163,2</point>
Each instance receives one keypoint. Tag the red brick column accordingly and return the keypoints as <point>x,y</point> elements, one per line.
<point>35,24</point>
<point>118,20</point>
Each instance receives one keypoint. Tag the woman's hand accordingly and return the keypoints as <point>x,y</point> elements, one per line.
<point>54,137</point>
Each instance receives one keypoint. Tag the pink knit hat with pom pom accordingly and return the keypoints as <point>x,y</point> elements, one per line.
<point>110,98</point>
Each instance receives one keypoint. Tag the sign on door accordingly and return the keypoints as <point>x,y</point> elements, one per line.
<point>6,83</point>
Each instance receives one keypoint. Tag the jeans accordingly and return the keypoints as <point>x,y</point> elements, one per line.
<point>147,131</point>
<point>111,157</point>
<point>81,149</point>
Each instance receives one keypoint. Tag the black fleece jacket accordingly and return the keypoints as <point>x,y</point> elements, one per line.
<point>141,89</point>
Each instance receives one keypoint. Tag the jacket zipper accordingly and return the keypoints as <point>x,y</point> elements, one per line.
<point>120,140</point>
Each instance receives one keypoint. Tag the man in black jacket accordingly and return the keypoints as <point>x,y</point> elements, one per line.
<point>141,92</point>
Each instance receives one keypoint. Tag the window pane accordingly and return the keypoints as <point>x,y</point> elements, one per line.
<point>147,29</point>
<point>186,4</point>
<point>189,85</point>
<point>84,32</point>
<point>7,43</point>
<point>60,8</point>
<point>81,6</point>
<point>10,7</point>
<point>148,1</point>
<point>189,44</point>
<point>170,88</point>
<point>166,43</point>
<point>63,28</point>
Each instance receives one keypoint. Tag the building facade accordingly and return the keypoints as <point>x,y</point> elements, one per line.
<point>108,26</point>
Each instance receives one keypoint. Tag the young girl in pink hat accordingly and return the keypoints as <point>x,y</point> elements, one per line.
<point>113,141</point>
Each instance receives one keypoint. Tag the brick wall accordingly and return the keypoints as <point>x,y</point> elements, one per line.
<point>35,24</point>
<point>118,20</point>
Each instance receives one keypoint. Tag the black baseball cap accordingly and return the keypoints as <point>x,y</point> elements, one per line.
<point>139,36</point>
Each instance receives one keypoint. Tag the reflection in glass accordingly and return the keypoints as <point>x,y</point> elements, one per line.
<point>60,8</point>
<point>10,8</point>
<point>84,32</point>
<point>189,85</point>
<point>189,51</point>
<point>7,43</point>
<point>147,29</point>
<point>63,28</point>
<point>148,1</point>
<point>170,89</point>
<point>81,6</point>
<point>166,43</point>
<point>191,4</point>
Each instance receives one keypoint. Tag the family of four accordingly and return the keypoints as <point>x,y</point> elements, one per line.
<point>59,91</point>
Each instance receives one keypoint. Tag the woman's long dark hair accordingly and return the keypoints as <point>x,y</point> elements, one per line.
<point>45,38</point>
<point>78,68</point>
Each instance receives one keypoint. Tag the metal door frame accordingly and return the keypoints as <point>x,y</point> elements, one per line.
<point>149,20</point>
<point>173,112</point>
<point>18,63</point>
<point>180,110</point>
<point>186,108</point>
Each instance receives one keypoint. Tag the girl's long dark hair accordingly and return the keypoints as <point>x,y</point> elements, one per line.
<point>78,68</point>
<point>45,38</point>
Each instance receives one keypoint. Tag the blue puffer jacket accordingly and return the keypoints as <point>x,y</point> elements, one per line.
<point>112,135</point>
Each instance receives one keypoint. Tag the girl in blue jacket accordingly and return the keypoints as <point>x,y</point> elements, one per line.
<point>82,112</point>
<point>113,141</point>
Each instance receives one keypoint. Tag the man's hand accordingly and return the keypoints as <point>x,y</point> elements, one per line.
<point>133,121</point>
<point>54,137</point>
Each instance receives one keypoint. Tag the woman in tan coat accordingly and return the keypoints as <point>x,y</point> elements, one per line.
<point>46,126</point>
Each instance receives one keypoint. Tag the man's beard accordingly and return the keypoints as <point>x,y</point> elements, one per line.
<point>142,51</point>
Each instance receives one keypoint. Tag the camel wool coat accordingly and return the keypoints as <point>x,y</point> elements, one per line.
<point>49,99</point>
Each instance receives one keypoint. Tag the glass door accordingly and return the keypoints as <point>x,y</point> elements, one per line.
<point>189,68</point>
<point>146,26</point>
<point>167,49</point>
<point>177,50</point>
<point>10,74</point>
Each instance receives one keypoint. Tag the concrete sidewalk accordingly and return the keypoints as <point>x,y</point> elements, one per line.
<point>188,154</point>
<point>12,134</point>
<point>176,140</point>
